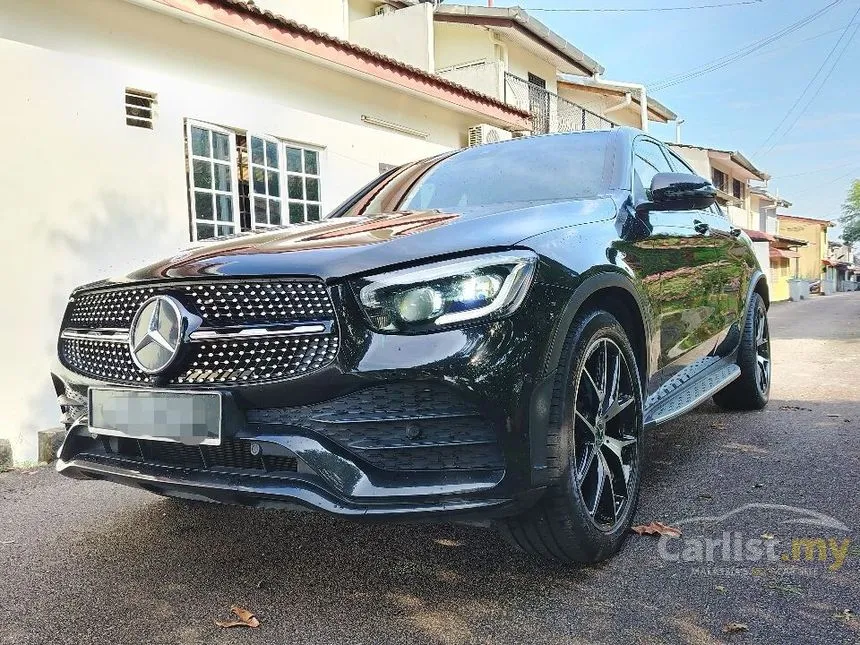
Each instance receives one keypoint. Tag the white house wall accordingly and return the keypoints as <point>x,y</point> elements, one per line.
<point>329,16</point>
<point>88,197</point>
<point>406,35</point>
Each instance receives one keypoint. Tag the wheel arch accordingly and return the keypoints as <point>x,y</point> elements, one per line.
<point>616,293</point>
<point>759,285</point>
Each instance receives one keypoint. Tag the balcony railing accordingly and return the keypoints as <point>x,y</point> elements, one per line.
<point>550,112</point>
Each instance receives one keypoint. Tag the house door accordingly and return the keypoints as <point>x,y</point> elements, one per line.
<point>538,104</point>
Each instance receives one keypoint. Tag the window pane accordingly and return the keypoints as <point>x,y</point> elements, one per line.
<point>221,146</point>
<point>313,189</point>
<point>202,174</point>
<point>297,213</point>
<point>312,162</point>
<point>203,205</point>
<point>257,150</point>
<point>294,160</point>
<point>259,181</point>
<point>225,230</point>
<point>200,142</point>
<point>271,154</point>
<point>205,231</point>
<point>274,184</point>
<point>294,188</point>
<point>225,208</point>
<point>313,212</point>
<point>274,211</point>
<point>260,210</point>
<point>222,177</point>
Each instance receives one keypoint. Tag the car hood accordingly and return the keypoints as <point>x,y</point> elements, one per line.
<point>340,247</point>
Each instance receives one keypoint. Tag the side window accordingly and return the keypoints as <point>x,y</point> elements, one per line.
<point>648,160</point>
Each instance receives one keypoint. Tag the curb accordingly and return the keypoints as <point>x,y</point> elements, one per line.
<point>5,455</point>
<point>49,444</point>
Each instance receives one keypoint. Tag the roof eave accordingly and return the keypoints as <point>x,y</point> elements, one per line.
<point>494,16</point>
<point>655,108</point>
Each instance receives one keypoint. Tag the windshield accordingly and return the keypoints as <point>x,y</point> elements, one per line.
<point>526,170</point>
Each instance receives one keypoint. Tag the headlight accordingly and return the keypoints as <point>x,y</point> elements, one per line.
<point>446,293</point>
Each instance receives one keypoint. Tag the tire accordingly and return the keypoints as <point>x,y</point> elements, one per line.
<point>571,522</point>
<point>751,390</point>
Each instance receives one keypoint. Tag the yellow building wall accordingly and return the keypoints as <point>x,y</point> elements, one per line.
<point>809,264</point>
<point>780,273</point>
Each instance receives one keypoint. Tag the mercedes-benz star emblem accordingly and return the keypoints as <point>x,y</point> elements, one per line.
<point>156,334</point>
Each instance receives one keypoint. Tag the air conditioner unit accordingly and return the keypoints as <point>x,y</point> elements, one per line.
<point>485,133</point>
<point>384,10</point>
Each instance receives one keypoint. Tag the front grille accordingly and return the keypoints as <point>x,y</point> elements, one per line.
<point>400,427</point>
<point>231,455</point>
<point>226,306</point>
<point>215,362</point>
<point>220,304</point>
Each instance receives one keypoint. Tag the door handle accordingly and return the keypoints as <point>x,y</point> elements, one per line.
<point>702,228</point>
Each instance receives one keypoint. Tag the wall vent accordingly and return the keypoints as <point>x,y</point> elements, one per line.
<point>139,108</point>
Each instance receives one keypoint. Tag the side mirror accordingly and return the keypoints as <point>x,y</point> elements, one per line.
<point>671,191</point>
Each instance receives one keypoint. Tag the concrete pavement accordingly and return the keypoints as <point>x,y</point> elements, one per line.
<point>91,562</point>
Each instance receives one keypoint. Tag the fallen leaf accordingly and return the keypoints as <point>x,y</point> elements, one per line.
<point>720,588</point>
<point>767,536</point>
<point>846,614</point>
<point>245,619</point>
<point>718,426</point>
<point>656,528</point>
<point>794,407</point>
<point>735,628</point>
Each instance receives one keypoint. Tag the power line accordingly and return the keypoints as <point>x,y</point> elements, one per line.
<point>728,59</point>
<point>809,86</point>
<point>649,9</point>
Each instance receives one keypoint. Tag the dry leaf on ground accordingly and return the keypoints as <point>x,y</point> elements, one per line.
<point>734,628</point>
<point>656,528</point>
<point>245,619</point>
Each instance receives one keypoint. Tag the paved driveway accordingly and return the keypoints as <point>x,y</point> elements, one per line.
<point>97,563</point>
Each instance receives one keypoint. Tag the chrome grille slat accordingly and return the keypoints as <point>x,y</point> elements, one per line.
<point>233,346</point>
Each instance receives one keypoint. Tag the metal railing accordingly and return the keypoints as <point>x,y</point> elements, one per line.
<point>550,112</point>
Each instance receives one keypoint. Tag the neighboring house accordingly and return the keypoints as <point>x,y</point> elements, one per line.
<point>606,98</point>
<point>781,255</point>
<point>144,125</point>
<point>842,272</point>
<point>810,263</point>
<point>731,174</point>
<point>503,52</point>
<point>766,204</point>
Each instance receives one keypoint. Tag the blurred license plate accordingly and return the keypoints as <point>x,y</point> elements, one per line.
<point>192,418</point>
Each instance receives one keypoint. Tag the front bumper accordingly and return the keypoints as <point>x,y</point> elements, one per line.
<point>479,427</point>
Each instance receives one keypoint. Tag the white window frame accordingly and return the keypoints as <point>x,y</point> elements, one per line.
<point>234,179</point>
<point>321,166</point>
<point>281,169</point>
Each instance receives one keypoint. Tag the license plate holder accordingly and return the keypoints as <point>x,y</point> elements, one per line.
<point>190,418</point>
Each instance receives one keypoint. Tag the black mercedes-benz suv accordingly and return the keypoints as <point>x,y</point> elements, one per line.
<point>487,334</point>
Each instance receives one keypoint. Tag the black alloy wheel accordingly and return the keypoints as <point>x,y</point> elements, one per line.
<point>605,433</point>
<point>751,390</point>
<point>595,446</point>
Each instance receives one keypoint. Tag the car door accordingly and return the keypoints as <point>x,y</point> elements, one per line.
<point>731,271</point>
<point>688,256</point>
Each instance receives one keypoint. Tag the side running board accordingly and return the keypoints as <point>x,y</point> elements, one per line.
<point>684,392</point>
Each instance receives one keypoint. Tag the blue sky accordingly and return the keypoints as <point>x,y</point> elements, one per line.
<point>737,107</point>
